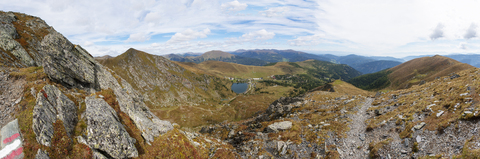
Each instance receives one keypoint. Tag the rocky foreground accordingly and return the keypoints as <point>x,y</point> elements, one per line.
<point>437,119</point>
<point>58,102</point>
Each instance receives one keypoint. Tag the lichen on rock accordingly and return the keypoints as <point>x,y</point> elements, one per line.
<point>105,133</point>
<point>52,104</point>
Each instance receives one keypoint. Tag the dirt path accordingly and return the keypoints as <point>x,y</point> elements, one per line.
<point>355,145</point>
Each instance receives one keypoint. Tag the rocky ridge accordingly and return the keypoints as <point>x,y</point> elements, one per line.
<point>72,73</point>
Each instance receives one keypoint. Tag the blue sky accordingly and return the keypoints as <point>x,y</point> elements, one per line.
<point>368,27</point>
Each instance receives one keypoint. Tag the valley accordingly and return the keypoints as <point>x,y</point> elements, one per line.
<point>58,101</point>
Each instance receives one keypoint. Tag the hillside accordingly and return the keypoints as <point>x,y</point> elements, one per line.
<point>438,119</point>
<point>319,69</point>
<point>58,102</point>
<point>303,76</point>
<point>375,66</point>
<point>410,73</point>
<point>217,56</point>
<point>166,85</point>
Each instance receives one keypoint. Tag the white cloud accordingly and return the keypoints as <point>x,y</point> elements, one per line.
<point>188,35</point>
<point>437,32</point>
<point>88,43</point>
<point>373,26</point>
<point>273,12</point>
<point>138,37</point>
<point>385,26</point>
<point>258,35</point>
<point>463,46</point>
<point>305,40</point>
<point>471,32</point>
<point>234,6</point>
<point>153,17</point>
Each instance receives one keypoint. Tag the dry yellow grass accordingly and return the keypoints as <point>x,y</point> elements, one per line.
<point>443,94</point>
<point>426,68</point>
<point>222,69</point>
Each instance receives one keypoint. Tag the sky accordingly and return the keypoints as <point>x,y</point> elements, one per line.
<point>368,27</point>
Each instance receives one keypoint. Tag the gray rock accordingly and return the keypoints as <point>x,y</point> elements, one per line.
<point>41,154</point>
<point>279,126</point>
<point>52,104</point>
<point>281,107</point>
<point>132,104</point>
<point>454,76</point>
<point>44,115</point>
<point>440,113</point>
<point>406,142</point>
<point>419,138</point>
<point>361,137</point>
<point>68,64</point>
<point>105,132</point>
<point>231,133</point>
<point>66,108</point>
<point>419,126</point>
<point>8,34</point>
<point>98,155</point>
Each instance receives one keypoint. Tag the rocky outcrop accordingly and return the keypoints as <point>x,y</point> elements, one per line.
<point>67,63</point>
<point>132,104</point>
<point>280,107</point>
<point>105,132</point>
<point>52,104</point>
<point>28,41</point>
<point>8,34</point>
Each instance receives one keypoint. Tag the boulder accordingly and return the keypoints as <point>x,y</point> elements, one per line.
<point>105,132</point>
<point>52,104</point>
<point>68,64</point>
<point>278,126</point>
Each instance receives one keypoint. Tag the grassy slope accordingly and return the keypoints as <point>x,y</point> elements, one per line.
<point>321,68</point>
<point>188,106</point>
<point>438,95</point>
<point>425,68</point>
<point>410,73</point>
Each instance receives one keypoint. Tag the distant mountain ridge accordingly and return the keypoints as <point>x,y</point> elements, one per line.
<point>216,55</point>
<point>260,57</point>
<point>413,72</point>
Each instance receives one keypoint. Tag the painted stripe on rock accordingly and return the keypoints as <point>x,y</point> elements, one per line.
<point>14,153</point>
<point>11,138</point>
<point>12,150</point>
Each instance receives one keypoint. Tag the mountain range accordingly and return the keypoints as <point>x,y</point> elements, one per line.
<point>58,101</point>
<point>262,57</point>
